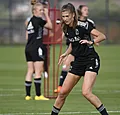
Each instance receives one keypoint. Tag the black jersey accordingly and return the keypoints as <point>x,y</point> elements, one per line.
<point>88,24</point>
<point>35,33</point>
<point>80,50</point>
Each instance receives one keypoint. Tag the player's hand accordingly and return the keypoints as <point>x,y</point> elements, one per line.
<point>97,44</point>
<point>46,11</point>
<point>61,59</point>
<point>86,42</point>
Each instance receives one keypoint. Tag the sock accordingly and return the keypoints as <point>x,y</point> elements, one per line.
<point>55,111</point>
<point>62,77</point>
<point>28,87</point>
<point>102,110</point>
<point>37,83</point>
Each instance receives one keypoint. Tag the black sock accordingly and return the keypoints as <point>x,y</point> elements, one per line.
<point>55,111</point>
<point>28,87</point>
<point>62,77</point>
<point>102,110</point>
<point>37,83</point>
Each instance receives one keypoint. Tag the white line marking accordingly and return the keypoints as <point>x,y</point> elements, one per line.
<point>74,92</point>
<point>64,113</point>
<point>1,89</point>
<point>103,91</point>
<point>9,95</point>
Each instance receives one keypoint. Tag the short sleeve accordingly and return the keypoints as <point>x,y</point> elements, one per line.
<point>91,27</point>
<point>42,22</point>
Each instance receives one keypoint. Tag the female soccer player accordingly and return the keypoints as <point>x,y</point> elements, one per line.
<point>86,61</point>
<point>86,23</point>
<point>45,4</point>
<point>34,49</point>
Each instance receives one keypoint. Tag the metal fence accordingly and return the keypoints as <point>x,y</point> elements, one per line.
<point>13,14</point>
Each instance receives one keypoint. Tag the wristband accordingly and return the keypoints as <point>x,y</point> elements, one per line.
<point>92,42</point>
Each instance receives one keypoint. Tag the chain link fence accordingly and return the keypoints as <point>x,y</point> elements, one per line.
<point>13,14</point>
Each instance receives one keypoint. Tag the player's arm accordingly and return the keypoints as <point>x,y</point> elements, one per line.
<point>62,57</point>
<point>94,37</point>
<point>99,36</point>
<point>69,50</point>
<point>93,26</point>
<point>26,34</point>
<point>48,25</point>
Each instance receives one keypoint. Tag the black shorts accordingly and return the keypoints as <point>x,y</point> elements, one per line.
<point>79,67</point>
<point>35,55</point>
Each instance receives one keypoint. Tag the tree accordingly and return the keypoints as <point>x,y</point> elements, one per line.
<point>98,9</point>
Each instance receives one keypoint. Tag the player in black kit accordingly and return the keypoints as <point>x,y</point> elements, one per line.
<point>86,23</point>
<point>86,61</point>
<point>34,50</point>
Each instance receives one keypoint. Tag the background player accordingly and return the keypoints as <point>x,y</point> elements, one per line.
<point>86,61</point>
<point>45,4</point>
<point>86,23</point>
<point>34,50</point>
<point>65,67</point>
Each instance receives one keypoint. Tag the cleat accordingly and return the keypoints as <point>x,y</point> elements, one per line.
<point>41,98</point>
<point>28,98</point>
<point>58,89</point>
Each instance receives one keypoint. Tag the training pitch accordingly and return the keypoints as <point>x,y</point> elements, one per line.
<point>12,91</point>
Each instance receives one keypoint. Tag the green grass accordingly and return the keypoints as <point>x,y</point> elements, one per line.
<point>12,75</point>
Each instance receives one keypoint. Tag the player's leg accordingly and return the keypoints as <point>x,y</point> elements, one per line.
<point>70,81</point>
<point>37,78</point>
<point>65,69</point>
<point>88,83</point>
<point>28,79</point>
<point>39,67</point>
<point>38,58</point>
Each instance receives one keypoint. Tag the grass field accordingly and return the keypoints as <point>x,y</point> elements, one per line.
<point>13,70</point>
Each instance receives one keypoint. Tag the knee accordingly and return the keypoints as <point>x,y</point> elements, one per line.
<point>86,93</point>
<point>30,71</point>
<point>62,95</point>
<point>38,73</point>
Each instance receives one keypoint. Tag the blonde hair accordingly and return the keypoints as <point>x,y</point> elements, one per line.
<point>35,6</point>
<point>33,2</point>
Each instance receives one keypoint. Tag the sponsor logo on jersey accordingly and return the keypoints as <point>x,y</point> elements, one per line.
<point>75,39</point>
<point>83,24</point>
<point>91,67</point>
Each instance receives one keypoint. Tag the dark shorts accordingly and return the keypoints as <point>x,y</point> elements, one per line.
<point>35,55</point>
<point>79,67</point>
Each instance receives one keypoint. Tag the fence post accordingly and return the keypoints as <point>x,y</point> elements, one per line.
<point>107,20</point>
<point>10,23</point>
